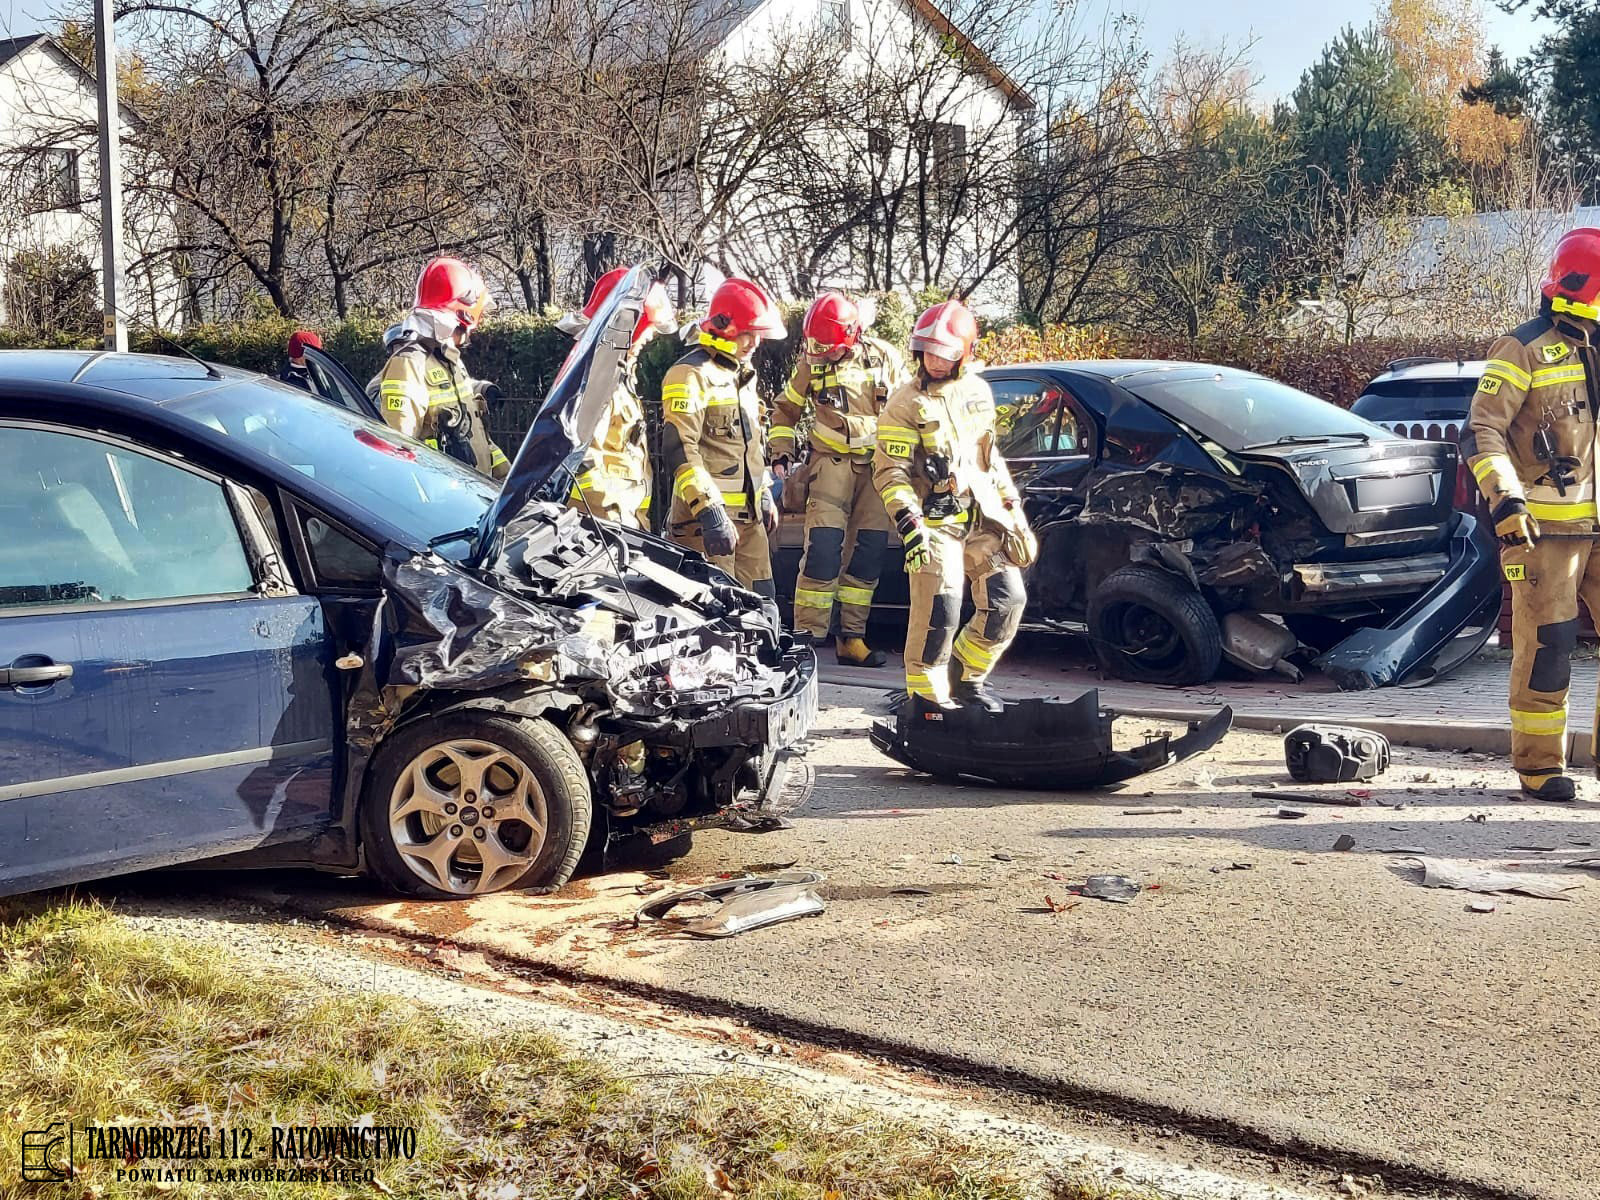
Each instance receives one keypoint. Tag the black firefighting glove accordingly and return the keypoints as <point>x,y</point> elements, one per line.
<point>914,535</point>
<point>490,393</point>
<point>717,532</point>
<point>1512,523</point>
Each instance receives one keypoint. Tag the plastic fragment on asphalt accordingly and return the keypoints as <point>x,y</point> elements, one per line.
<point>1344,842</point>
<point>1465,877</point>
<point>1117,889</point>
<point>748,902</point>
<point>1289,814</point>
<point>1151,812</point>
<point>1481,906</point>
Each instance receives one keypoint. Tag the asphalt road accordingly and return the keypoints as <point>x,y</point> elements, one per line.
<point>1262,979</point>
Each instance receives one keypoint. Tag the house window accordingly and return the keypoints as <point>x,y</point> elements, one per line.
<point>947,153</point>
<point>878,143</point>
<point>834,20</point>
<point>58,179</point>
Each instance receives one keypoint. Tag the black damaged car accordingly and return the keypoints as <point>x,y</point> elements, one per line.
<point>1189,514</point>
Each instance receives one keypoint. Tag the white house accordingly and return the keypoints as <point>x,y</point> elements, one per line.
<point>964,124</point>
<point>49,179</point>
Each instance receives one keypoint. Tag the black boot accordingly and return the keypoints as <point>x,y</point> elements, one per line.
<point>972,693</point>
<point>1552,787</point>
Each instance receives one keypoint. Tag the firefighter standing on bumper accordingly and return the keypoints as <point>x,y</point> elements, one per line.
<point>1530,441</point>
<point>712,440</point>
<point>424,390</point>
<point>958,513</point>
<point>614,481</point>
<point>841,382</point>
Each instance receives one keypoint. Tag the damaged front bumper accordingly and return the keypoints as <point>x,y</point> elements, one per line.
<point>1446,625</point>
<point>1057,744</point>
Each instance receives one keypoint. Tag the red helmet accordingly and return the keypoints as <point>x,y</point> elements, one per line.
<point>657,313</point>
<point>833,322</point>
<point>739,306</point>
<point>1572,284</point>
<point>300,339</point>
<point>947,329</point>
<point>449,285</point>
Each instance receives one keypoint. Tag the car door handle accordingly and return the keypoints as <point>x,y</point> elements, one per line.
<point>34,676</point>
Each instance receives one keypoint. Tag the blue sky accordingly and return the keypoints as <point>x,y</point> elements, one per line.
<point>1288,34</point>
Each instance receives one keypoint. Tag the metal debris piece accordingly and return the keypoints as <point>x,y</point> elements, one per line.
<point>1001,857</point>
<point>1344,842</point>
<point>1464,877</point>
<point>910,891</point>
<point>1531,849</point>
<point>748,902</point>
<point>1151,812</point>
<point>1289,814</point>
<point>1118,889</point>
<point>1340,799</point>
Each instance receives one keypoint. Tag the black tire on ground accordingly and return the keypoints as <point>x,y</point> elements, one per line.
<point>1151,627</point>
<point>541,749</point>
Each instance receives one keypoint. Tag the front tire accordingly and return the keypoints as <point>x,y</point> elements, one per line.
<point>1152,627</point>
<point>472,803</point>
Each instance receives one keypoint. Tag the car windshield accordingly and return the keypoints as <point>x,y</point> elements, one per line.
<point>406,483</point>
<point>1241,411</point>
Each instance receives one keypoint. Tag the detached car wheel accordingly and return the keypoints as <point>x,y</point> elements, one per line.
<point>471,803</point>
<point>1152,627</point>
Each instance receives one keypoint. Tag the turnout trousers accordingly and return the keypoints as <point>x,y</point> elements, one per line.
<point>1546,583</point>
<point>846,532</point>
<point>751,560</point>
<point>998,598</point>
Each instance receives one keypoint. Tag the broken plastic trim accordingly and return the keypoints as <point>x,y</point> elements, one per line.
<point>1058,744</point>
<point>746,903</point>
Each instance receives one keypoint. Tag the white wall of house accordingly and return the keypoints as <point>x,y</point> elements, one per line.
<point>49,115</point>
<point>883,33</point>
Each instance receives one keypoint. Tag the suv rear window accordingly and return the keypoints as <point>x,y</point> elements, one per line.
<point>1415,399</point>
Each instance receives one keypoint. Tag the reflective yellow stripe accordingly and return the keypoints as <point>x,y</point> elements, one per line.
<point>810,598</point>
<point>392,387</point>
<point>434,442</point>
<point>855,595</point>
<point>1589,312</point>
<point>900,432</point>
<point>1510,372</point>
<point>713,342</point>
<point>975,656</point>
<point>496,456</point>
<point>930,441</point>
<point>1576,510</point>
<point>674,389</point>
<point>781,431</point>
<point>1492,462</point>
<point>959,518</point>
<point>1552,376</point>
<point>920,685</point>
<point>827,439</point>
<point>793,396</point>
<point>690,480</point>
<point>898,495</point>
<point>1540,724</point>
<point>735,499</point>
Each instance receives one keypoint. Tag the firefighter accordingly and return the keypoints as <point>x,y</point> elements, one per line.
<point>1530,443</point>
<point>712,440</point>
<point>424,390</point>
<point>841,382</point>
<point>296,371</point>
<point>614,482</point>
<point>952,500</point>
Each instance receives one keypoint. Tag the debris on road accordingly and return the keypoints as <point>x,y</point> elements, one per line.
<point>1151,812</point>
<point>1289,814</point>
<point>1478,818</point>
<point>1344,842</point>
<point>951,860</point>
<point>1057,906</point>
<point>1481,906</point>
<point>748,902</point>
<point>1464,877</point>
<point>1335,753</point>
<point>1056,744</point>
<point>1118,889</point>
<point>1340,799</point>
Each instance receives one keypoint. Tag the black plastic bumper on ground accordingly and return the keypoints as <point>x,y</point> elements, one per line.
<point>1057,744</point>
<point>1445,626</point>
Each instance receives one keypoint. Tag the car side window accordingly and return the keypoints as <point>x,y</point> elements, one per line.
<point>92,522</point>
<point>1036,417</point>
<point>337,559</point>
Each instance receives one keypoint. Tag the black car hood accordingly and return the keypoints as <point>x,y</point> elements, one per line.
<point>579,402</point>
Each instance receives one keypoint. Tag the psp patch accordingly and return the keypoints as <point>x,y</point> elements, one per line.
<point>1516,572</point>
<point>1556,352</point>
<point>394,403</point>
<point>438,375</point>
<point>1489,385</point>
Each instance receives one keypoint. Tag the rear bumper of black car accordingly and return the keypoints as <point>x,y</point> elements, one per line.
<point>1447,623</point>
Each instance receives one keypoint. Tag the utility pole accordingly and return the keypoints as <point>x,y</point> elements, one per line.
<point>105,72</point>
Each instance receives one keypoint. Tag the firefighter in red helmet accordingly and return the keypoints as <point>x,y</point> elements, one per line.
<point>711,438</point>
<point>841,382</point>
<point>614,481</point>
<point>951,498</point>
<point>424,389</point>
<point>1530,442</point>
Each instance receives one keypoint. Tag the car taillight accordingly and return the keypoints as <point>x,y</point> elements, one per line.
<point>367,438</point>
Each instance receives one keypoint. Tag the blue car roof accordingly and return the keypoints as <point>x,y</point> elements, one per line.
<point>160,378</point>
<point>1118,369</point>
